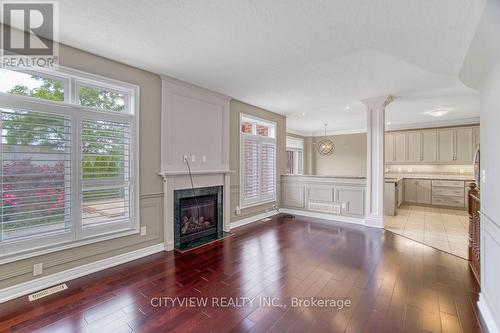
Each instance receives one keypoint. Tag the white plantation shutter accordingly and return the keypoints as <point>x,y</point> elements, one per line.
<point>35,192</point>
<point>105,176</point>
<point>258,161</point>
<point>268,171</point>
<point>250,192</point>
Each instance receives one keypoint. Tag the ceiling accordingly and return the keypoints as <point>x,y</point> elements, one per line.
<point>310,60</point>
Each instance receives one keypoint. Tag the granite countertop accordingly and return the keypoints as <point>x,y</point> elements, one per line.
<point>465,177</point>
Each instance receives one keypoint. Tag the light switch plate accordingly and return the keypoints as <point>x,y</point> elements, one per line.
<point>193,158</point>
<point>483,176</point>
<point>37,269</point>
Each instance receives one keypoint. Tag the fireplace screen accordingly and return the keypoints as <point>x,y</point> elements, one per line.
<point>198,215</point>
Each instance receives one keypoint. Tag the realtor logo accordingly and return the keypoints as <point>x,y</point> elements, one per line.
<point>29,33</point>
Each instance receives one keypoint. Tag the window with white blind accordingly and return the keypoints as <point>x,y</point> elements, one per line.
<point>69,161</point>
<point>257,161</point>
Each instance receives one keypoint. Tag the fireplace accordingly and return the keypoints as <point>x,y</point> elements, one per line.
<point>197,216</point>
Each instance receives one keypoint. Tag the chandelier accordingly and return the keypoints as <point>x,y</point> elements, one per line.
<point>325,146</point>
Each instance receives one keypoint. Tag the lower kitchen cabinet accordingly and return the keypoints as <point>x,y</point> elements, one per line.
<point>418,191</point>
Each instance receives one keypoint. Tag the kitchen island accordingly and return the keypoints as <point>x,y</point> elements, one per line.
<point>336,197</point>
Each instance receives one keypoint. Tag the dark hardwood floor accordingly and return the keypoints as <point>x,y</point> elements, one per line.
<point>394,284</point>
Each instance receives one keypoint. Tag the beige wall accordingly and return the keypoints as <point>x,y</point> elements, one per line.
<point>238,108</point>
<point>150,183</point>
<point>348,159</point>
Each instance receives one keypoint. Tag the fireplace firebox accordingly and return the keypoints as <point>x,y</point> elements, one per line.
<point>197,216</point>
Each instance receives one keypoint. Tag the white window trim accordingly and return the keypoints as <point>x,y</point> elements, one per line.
<point>260,139</point>
<point>17,250</point>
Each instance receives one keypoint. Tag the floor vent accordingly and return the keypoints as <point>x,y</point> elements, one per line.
<point>47,292</point>
<point>324,208</point>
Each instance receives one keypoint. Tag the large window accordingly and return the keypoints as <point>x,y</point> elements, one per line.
<point>68,153</point>
<point>294,156</point>
<point>258,161</point>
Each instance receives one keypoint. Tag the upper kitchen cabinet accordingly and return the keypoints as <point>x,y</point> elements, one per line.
<point>414,146</point>
<point>442,145</point>
<point>464,145</point>
<point>400,147</point>
<point>389,147</point>
<point>446,150</point>
<point>429,145</point>
<point>475,137</point>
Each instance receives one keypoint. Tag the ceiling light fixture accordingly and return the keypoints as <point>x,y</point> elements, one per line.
<point>326,146</point>
<point>439,112</point>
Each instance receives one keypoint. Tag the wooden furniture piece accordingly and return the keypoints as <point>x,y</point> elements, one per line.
<point>474,231</point>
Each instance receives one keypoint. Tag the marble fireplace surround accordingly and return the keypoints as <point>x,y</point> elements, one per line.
<point>195,125</point>
<point>173,182</point>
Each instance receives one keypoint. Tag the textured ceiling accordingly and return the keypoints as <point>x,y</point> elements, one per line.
<point>305,59</point>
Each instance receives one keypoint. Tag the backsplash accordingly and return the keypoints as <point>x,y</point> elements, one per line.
<point>465,169</point>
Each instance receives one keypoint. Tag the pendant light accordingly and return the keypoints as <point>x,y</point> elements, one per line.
<point>325,146</point>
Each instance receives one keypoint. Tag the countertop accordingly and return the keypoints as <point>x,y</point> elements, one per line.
<point>392,176</point>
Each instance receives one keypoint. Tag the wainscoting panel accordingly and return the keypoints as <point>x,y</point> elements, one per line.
<point>293,195</point>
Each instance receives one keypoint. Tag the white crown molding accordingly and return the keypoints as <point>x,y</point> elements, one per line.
<point>433,124</point>
<point>194,87</point>
<point>44,282</point>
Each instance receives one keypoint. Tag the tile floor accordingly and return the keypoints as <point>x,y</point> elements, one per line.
<point>442,228</point>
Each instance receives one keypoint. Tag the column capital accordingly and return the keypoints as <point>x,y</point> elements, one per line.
<point>377,103</point>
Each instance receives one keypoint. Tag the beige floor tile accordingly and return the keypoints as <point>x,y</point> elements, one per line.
<point>442,228</point>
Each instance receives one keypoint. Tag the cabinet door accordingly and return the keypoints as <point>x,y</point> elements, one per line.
<point>410,188</point>
<point>424,191</point>
<point>476,135</point>
<point>429,144</point>
<point>463,145</point>
<point>445,145</point>
<point>414,152</point>
<point>389,147</point>
<point>400,147</point>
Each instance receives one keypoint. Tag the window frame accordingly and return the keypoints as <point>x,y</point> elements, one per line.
<point>14,250</point>
<point>296,151</point>
<point>267,139</point>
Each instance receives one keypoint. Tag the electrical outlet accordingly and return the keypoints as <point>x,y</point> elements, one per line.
<point>204,159</point>
<point>37,269</point>
<point>399,170</point>
<point>238,210</point>
<point>410,169</point>
<point>184,158</point>
<point>143,231</point>
<point>193,158</point>
<point>462,171</point>
<point>343,205</point>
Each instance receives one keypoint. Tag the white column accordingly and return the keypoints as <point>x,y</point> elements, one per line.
<point>375,109</point>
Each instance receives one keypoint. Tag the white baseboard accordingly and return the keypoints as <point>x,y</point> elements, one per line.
<point>324,216</point>
<point>44,282</point>
<point>374,222</point>
<point>487,315</point>
<point>252,219</point>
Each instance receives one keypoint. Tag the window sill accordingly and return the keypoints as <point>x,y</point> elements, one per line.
<point>8,258</point>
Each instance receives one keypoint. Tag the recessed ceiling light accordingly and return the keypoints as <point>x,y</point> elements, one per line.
<point>439,112</point>
<point>347,107</point>
<point>303,114</point>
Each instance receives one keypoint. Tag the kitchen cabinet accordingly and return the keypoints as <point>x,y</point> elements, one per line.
<point>429,143</point>
<point>414,146</point>
<point>445,145</point>
<point>400,147</point>
<point>389,147</point>
<point>418,191</point>
<point>454,145</point>
<point>476,136</point>
<point>464,145</point>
